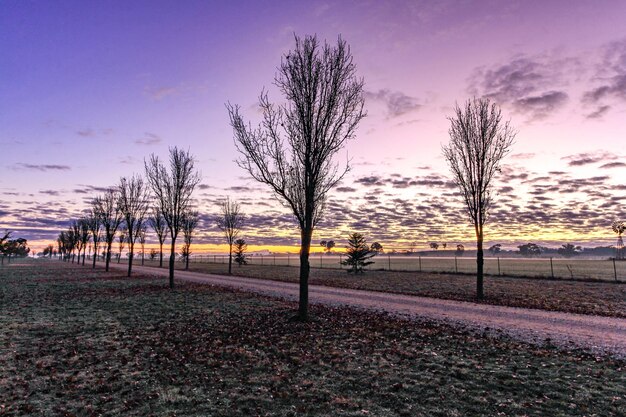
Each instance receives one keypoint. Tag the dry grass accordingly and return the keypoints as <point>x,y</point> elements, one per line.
<point>601,298</point>
<point>80,343</point>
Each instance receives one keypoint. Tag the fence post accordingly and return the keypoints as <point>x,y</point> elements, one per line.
<point>420,261</point>
<point>321,266</point>
<point>456,266</point>
<point>288,259</point>
<point>340,261</point>
<point>389,261</point>
<point>614,270</point>
<point>261,259</point>
<point>274,259</point>
<point>551,268</point>
<point>499,273</point>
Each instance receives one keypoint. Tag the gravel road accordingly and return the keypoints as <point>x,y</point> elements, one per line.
<point>604,335</point>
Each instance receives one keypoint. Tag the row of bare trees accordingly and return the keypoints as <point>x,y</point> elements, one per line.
<point>163,201</point>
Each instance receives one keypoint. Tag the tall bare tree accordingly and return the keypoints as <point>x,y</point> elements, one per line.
<point>479,140</point>
<point>134,199</point>
<point>94,224</point>
<point>230,221</point>
<point>172,190</point>
<point>83,236</point>
<point>107,208</point>
<point>157,222</point>
<point>190,222</point>
<point>293,149</point>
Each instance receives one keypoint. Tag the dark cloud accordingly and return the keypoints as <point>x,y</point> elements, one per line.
<point>613,165</point>
<point>370,181</point>
<point>397,102</point>
<point>53,193</point>
<point>588,158</point>
<point>41,167</point>
<point>149,139</point>
<point>610,78</point>
<point>599,112</point>
<point>526,83</point>
<point>542,105</point>
<point>345,189</point>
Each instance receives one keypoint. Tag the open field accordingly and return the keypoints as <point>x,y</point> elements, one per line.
<point>82,342</point>
<point>601,298</point>
<point>566,268</point>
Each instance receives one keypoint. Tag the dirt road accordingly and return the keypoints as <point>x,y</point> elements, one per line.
<point>599,334</point>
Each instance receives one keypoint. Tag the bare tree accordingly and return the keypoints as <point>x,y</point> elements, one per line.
<point>77,243</point>
<point>293,149</point>
<point>190,222</point>
<point>108,211</point>
<point>479,140</point>
<point>142,241</point>
<point>93,222</point>
<point>157,222</point>
<point>122,238</point>
<point>172,190</point>
<point>83,236</point>
<point>134,198</point>
<point>230,222</point>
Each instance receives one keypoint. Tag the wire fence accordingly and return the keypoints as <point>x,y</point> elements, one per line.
<point>563,268</point>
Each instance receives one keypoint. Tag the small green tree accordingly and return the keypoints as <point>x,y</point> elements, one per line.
<point>358,254</point>
<point>240,248</point>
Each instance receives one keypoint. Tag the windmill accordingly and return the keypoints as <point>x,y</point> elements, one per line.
<point>619,228</point>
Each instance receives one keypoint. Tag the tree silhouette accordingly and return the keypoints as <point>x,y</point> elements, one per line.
<point>377,248</point>
<point>358,254</point>
<point>434,245</point>
<point>94,225</point>
<point>122,239</point>
<point>157,222</point>
<point>172,190</point>
<point>328,245</point>
<point>133,201</point>
<point>240,248</point>
<point>190,222</point>
<point>107,208</point>
<point>495,249</point>
<point>619,227</point>
<point>479,140</point>
<point>460,249</point>
<point>83,236</point>
<point>293,149</point>
<point>230,221</point>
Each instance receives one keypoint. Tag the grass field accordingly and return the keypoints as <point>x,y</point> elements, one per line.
<point>567,268</point>
<point>87,343</point>
<point>601,298</point>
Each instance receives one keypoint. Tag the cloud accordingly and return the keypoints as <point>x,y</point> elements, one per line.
<point>397,102</point>
<point>542,105</point>
<point>527,83</point>
<point>42,167</point>
<point>587,158</point>
<point>86,133</point>
<point>53,193</point>
<point>149,139</point>
<point>599,112</point>
<point>345,189</point>
<point>370,181</point>
<point>610,76</point>
<point>159,93</point>
<point>614,165</point>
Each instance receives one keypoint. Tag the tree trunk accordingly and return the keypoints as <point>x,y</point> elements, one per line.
<point>230,258</point>
<point>161,254</point>
<point>305,247</point>
<point>130,258</point>
<point>107,257</point>
<point>480,261</point>
<point>84,256</point>
<point>143,254</point>
<point>172,259</point>
<point>95,255</point>
<point>187,261</point>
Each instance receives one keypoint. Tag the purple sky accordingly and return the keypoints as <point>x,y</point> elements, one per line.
<point>90,88</point>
